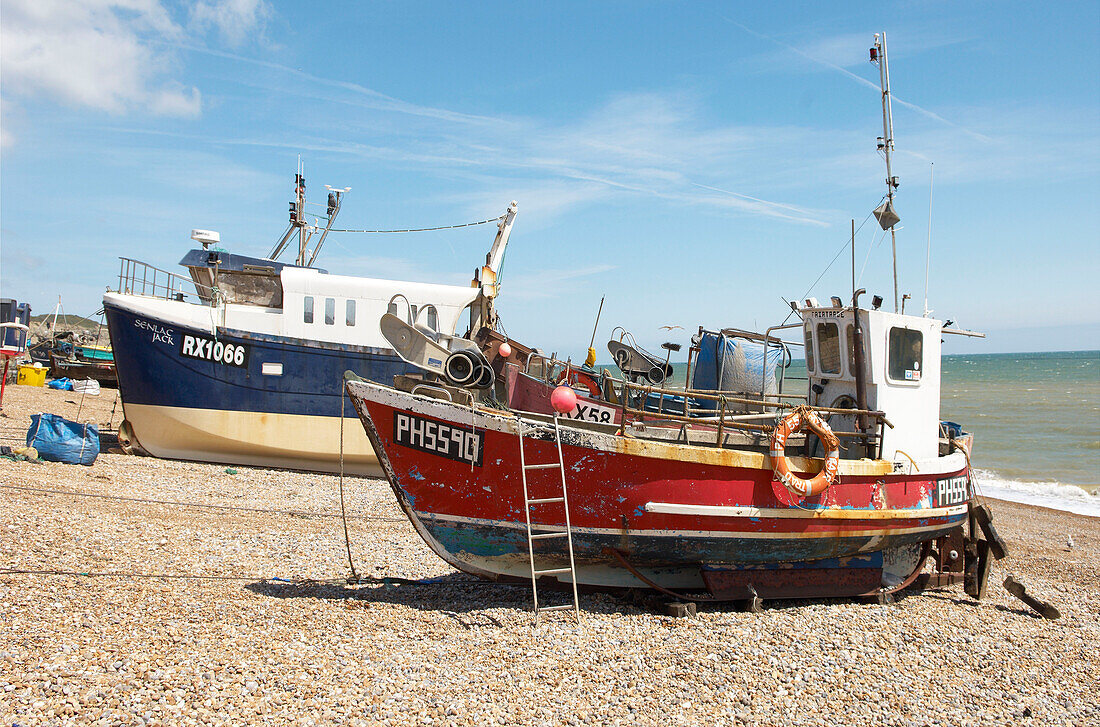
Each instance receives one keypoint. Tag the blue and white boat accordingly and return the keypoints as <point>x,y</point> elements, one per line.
<point>250,370</point>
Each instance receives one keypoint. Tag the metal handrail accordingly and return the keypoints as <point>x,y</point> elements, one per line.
<point>735,421</point>
<point>139,278</point>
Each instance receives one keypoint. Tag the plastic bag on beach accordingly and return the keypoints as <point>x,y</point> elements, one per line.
<point>61,384</point>
<point>59,440</point>
<point>87,386</point>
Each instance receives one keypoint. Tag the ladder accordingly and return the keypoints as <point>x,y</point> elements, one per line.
<point>548,534</point>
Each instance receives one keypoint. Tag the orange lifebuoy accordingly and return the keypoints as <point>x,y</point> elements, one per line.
<point>797,486</point>
<point>579,378</point>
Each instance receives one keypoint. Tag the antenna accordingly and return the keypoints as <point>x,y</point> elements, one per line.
<point>335,197</point>
<point>885,213</point>
<point>928,255</point>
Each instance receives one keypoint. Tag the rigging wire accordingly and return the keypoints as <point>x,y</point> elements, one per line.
<point>424,229</point>
<point>838,252</point>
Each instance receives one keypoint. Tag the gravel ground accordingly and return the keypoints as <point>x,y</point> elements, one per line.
<point>235,646</point>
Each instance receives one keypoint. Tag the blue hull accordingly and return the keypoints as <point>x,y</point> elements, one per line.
<point>156,372</point>
<point>240,397</point>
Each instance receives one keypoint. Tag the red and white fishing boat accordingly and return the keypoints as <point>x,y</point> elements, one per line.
<point>647,508</point>
<point>728,494</point>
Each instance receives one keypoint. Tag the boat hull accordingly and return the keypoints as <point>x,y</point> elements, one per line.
<point>264,400</point>
<point>67,368</point>
<point>640,510</point>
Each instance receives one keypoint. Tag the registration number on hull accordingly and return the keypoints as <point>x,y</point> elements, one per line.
<point>432,437</point>
<point>589,412</point>
<point>952,491</point>
<point>209,349</point>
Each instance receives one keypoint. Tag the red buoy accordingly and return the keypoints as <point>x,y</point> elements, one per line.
<point>563,399</point>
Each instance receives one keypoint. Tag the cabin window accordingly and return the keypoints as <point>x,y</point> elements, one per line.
<point>828,347</point>
<point>392,308</point>
<point>349,314</point>
<point>330,311</point>
<point>852,350</point>
<point>307,310</point>
<point>432,318</point>
<point>809,350</point>
<point>906,348</point>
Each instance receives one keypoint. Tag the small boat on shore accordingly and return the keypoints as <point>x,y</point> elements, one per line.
<point>719,488</point>
<point>248,369</point>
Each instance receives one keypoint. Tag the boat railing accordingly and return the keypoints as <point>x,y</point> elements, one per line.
<point>730,410</point>
<point>139,278</point>
<point>727,414</point>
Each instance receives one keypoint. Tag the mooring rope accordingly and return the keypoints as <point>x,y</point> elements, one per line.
<point>269,511</point>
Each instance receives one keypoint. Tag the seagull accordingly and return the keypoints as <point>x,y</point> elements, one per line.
<point>1069,543</point>
<point>670,328</point>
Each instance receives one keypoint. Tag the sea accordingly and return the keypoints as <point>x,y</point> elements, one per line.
<point>1035,418</point>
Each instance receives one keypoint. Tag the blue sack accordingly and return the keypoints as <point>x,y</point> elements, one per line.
<point>61,384</point>
<point>59,440</point>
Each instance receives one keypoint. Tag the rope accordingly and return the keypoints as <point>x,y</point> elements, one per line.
<point>343,513</point>
<point>424,229</point>
<point>299,513</point>
<point>301,582</point>
<point>119,574</point>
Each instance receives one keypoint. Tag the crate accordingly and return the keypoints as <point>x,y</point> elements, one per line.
<point>31,376</point>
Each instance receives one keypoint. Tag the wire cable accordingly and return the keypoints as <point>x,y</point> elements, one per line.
<point>423,229</point>
<point>269,511</point>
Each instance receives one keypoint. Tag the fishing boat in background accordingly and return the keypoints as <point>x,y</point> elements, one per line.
<point>720,488</point>
<point>248,368</point>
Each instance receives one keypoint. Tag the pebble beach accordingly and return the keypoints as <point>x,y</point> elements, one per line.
<point>141,591</point>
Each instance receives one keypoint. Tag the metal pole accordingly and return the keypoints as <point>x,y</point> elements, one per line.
<point>928,254</point>
<point>888,146</point>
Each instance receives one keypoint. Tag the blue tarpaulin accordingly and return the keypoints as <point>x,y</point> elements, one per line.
<point>59,440</point>
<point>61,384</point>
<point>733,364</point>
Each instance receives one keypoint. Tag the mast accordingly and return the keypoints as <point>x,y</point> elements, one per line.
<point>887,217</point>
<point>928,254</point>
<point>300,195</point>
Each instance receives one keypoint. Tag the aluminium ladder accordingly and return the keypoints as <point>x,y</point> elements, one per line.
<point>550,534</point>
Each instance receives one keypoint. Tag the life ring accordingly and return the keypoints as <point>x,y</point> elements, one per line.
<point>581,379</point>
<point>798,487</point>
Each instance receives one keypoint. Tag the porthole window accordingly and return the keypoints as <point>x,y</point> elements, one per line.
<point>330,311</point>
<point>307,310</point>
<point>349,315</point>
<point>828,347</point>
<point>906,354</point>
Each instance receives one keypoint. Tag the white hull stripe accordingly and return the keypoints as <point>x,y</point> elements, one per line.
<point>833,513</point>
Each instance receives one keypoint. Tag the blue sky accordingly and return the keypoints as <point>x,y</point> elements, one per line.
<point>694,162</point>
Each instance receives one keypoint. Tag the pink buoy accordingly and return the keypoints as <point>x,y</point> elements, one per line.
<point>505,350</point>
<point>563,399</point>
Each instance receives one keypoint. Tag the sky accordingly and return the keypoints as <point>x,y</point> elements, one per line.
<point>697,163</point>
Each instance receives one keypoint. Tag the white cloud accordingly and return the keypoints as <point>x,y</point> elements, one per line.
<point>235,20</point>
<point>100,55</point>
<point>547,283</point>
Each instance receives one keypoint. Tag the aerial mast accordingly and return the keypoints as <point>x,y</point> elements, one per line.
<point>885,213</point>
